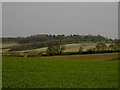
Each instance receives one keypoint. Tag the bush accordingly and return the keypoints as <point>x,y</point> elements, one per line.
<point>80,49</point>
<point>91,49</point>
<point>101,47</point>
<point>52,50</point>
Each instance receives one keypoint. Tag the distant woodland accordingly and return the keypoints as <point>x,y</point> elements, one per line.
<point>54,42</point>
<point>43,38</point>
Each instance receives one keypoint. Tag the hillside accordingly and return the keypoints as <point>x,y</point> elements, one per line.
<point>43,40</point>
<point>42,43</point>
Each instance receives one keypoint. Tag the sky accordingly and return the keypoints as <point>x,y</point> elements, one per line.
<point>30,18</point>
<point>60,0</point>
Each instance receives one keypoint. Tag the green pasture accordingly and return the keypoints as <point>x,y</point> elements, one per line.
<point>56,72</point>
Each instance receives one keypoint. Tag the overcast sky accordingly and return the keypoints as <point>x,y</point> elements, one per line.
<point>25,18</point>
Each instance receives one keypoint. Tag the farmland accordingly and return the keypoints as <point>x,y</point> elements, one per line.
<point>51,45</point>
<point>74,71</point>
<point>69,48</point>
<point>59,61</point>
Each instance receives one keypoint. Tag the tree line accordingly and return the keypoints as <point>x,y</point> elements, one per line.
<point>54,44</point>
<point>44,40</point>
<point>58,49</point>
<point>62,38</point>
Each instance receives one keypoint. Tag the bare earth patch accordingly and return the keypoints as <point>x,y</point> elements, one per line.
<point>106,56</point>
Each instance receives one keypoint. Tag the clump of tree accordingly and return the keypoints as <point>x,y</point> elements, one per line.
<point>55,48</point>
<point>101,46</point>
<point>117,44</point>
<point>111,47</point>
<point>62,48</point>
<point>52,50</point>
<point>80,49</point>
<point>91,49</point>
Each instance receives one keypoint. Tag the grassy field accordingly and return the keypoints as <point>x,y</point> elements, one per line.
<point>4,47</point>
<point>7,45</point>
<point>72,47</point>
<point>75,47</point>
<point>68,47</point>
<point>60,72</point>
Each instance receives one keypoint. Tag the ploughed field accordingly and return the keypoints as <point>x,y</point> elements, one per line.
<point>74,71</point>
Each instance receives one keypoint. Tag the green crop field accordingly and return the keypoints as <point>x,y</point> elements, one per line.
<point>59,72</point>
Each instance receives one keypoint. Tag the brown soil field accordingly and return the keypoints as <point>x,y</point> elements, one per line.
<point>103,56</point>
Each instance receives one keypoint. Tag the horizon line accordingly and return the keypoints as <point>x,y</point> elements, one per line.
<point>59,34</point>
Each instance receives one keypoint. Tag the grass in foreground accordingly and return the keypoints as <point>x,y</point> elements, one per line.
<point>19,72</point>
